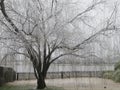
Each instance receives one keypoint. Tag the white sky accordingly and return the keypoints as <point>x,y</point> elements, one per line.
<point>97,17</point>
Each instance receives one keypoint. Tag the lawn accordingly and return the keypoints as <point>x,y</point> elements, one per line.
<point>84,83</point>
<point>7,87</point>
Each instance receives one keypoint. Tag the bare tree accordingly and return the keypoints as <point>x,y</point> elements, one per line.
<point>41,29</point>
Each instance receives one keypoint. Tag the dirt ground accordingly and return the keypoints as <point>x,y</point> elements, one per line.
<point>76,83</point>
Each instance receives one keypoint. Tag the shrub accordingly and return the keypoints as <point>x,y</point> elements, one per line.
<point>2,81</point>
<point>117,66</point>
<point>108,75</point>
<point>116,75</point>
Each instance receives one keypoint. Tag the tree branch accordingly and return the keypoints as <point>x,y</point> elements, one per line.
<point>2,6</point>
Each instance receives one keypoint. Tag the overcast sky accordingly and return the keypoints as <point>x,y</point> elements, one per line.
<point>96,18</point>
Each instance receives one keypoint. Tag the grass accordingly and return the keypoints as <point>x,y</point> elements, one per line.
<point>27,87</point>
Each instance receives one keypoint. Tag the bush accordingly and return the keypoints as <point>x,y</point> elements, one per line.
<point>2,81</point>
<point>116,75</point>
<point>108,75</point>
<point>117,66</point>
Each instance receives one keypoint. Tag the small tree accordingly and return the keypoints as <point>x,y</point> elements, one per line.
<point>41,30</point>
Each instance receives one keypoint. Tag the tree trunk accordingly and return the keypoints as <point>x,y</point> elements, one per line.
<point>41,83</point>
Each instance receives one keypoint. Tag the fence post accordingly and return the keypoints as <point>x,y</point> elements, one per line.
<point>17,76</point>
<point>29,76</point>
<point>61,75</point>
<point>69,74</point>
<point>75,74</point>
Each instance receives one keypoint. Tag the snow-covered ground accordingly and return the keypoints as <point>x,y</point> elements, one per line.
<point>76,83</point>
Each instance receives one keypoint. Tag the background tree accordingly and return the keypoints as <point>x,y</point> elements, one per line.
<point>42,30</point>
